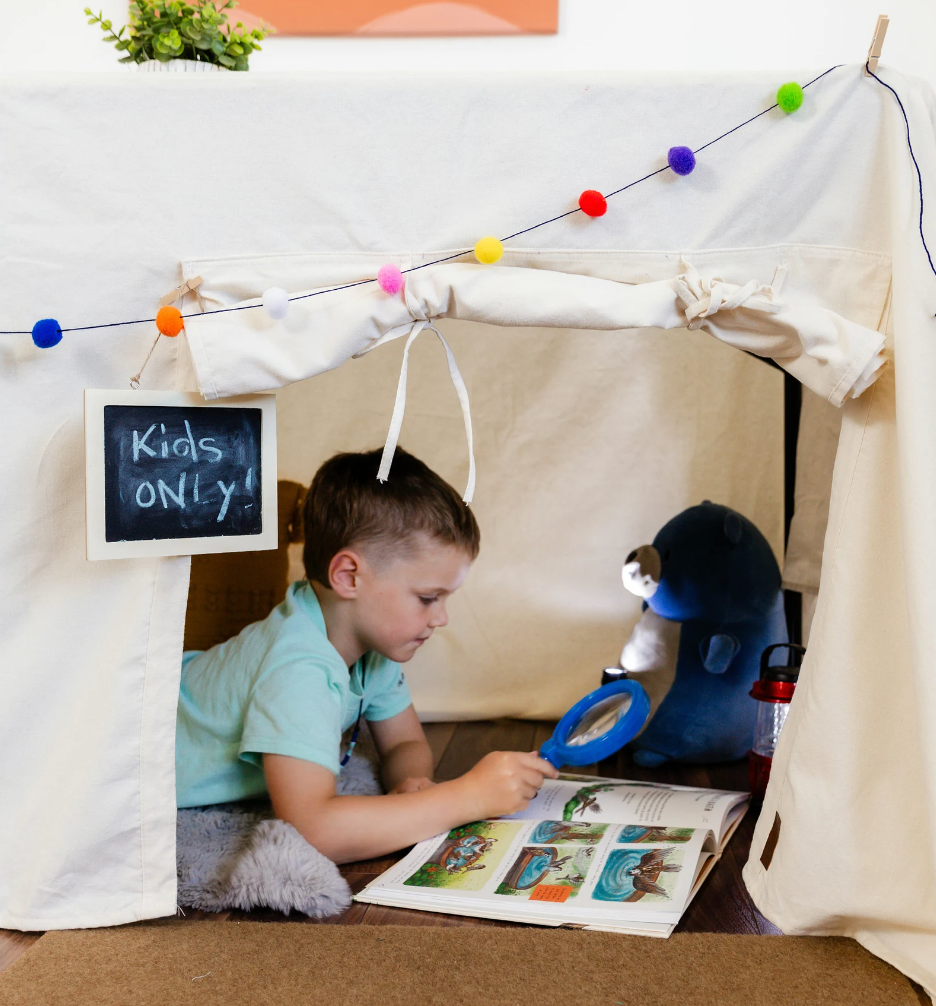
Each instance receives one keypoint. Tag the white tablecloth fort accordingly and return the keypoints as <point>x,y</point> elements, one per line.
<point>597,415</point>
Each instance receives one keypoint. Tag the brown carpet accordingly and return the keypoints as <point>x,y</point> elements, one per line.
<point>154,964</point>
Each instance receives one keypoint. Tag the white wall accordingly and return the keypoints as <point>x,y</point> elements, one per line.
<point>593,35</point>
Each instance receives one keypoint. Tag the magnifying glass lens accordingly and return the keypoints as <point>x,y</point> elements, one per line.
<point>599,719</point>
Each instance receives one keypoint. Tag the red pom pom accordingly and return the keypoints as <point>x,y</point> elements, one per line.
<point>169,321</point>
<point>593,203</point>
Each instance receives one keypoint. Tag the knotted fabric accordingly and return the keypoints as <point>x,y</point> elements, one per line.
<point>701,298</point>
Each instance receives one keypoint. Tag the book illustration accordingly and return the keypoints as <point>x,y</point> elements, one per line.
<point>585,799</point>
<point>632,875</point>
<point>567,832</point>
<point>467,856</point>
<point>539,867</point>
<point>628,866</point>
<point>632,833</point>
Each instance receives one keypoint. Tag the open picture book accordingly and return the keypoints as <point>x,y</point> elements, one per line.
<point>588,852</point>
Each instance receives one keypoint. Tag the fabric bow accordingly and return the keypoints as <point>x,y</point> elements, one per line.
<point>701,298</point>
<point>419,323</point>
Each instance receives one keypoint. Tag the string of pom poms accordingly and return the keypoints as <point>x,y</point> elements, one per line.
<point>680,159</point>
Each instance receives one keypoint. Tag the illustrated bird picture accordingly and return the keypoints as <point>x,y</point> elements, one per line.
<point>651,865</point>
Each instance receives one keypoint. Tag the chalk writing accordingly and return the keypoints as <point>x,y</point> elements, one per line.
<point>181,472</point>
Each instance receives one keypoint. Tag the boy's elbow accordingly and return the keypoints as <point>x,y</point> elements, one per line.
<point>314,824</point>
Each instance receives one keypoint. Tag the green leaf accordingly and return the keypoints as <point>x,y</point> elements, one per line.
<point>235,49</point>
<point>226,61</point>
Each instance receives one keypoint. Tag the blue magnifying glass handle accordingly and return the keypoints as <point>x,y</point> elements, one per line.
<point>551,754</point>
<point>598,725</point>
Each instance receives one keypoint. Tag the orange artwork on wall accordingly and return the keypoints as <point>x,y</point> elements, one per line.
<point>402,17</point>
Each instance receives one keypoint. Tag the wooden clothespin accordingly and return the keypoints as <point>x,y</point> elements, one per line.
<point>877,43</point>
<point>189,286</point>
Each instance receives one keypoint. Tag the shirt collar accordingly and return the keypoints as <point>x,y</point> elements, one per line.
<point>307,600</point>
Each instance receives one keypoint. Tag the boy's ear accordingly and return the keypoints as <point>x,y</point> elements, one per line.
<point>343,572</point>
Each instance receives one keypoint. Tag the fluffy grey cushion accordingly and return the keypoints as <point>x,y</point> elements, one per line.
<point>237,855</point>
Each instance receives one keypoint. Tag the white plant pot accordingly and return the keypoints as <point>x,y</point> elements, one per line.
<point>176,66</point>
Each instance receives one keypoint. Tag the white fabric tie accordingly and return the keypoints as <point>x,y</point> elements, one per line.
<point>704,297</point>
<point>399,406</point>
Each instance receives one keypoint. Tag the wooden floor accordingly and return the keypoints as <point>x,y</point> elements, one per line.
<point>721,906</point>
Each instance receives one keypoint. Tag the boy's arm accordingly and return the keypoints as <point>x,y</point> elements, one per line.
<point>349,828</point>
<point>405,756</point>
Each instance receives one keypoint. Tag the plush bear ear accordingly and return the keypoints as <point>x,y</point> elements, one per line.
<point>733,527</point>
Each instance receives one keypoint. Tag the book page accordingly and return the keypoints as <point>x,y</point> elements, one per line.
<point>550,872</point>
<point>647,806</point>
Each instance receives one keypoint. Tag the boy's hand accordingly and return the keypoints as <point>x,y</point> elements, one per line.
<point>504,782</point>
<point>412,785</point>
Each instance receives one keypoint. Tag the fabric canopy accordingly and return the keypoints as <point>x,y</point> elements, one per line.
<point>305,182</point>
<point>246,350</point>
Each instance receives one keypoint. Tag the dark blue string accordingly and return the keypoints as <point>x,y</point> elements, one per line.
<point>903,112</point>
<point>467,251</point>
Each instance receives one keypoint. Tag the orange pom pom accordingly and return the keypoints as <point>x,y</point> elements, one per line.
<point>169,321</point>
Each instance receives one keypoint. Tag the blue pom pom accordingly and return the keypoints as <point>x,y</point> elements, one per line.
<point>681,160</point>
<point>47,333</point>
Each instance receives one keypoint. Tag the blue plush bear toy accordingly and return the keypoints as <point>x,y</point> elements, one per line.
<point>712,604</point>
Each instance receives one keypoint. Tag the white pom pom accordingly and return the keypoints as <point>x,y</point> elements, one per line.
<point>276,303</point>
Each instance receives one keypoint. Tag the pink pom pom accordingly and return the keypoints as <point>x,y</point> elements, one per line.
<point>390,279</point>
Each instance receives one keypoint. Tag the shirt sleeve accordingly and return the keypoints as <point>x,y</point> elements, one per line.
<point>386,693</point>
<point>293,711</point>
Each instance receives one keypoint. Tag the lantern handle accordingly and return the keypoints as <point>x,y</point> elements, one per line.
<point>765,656</point>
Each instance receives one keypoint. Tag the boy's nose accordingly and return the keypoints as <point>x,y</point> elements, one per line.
<point>439,616</point>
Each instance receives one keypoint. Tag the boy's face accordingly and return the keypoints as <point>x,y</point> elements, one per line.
<point>400,602</point>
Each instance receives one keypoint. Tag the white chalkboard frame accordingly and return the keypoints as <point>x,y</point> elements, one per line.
<point>97,545</point>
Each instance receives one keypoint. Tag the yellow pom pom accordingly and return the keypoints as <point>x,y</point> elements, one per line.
<point>488,250</point>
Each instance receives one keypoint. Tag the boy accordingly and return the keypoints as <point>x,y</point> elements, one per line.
<point>265,711</point>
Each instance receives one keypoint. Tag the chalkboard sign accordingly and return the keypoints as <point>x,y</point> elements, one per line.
<point>170,474</point>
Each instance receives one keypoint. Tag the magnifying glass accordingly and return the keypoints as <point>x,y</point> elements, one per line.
<point>598,725</point>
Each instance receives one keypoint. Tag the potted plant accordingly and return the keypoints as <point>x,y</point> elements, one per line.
<point>174,34</point>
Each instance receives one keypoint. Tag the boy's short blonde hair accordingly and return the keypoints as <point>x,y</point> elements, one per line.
<point>347,506</point>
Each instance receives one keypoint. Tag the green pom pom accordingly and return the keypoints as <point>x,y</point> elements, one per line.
<point>790,97</point>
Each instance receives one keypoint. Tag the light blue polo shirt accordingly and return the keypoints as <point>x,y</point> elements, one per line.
<point>279,687</point>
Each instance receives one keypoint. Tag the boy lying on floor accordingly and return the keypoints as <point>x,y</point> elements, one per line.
<point>264,712</point>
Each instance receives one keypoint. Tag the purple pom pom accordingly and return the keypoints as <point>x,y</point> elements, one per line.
<point>390,279</point>
<point>681,160</point>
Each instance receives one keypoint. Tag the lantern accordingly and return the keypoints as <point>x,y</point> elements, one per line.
<point>773,692</point>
